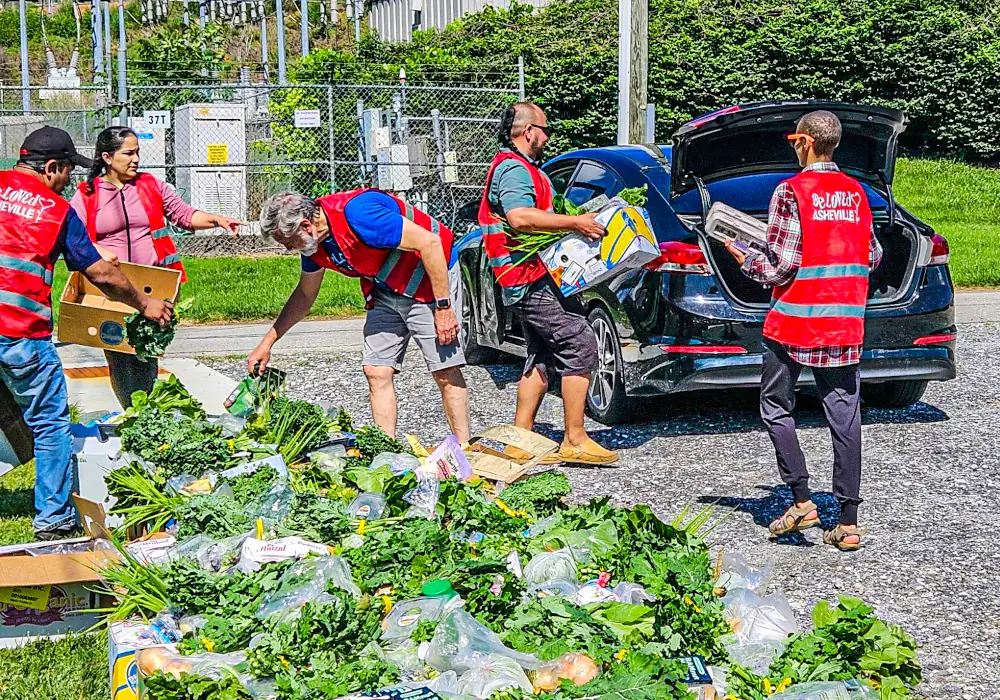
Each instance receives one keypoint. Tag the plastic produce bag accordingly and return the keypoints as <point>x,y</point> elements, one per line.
<point>737,573</point>
<point>306,582</point>
<point>578,668</point>
<point>424,496</point>
<point>165,659</point>
<point>231,425</point>
<point>542,526</point>
<point>211,554</point>
<point>398,464</point>
<point>495,674</point>
<point>595,591</point>
<point>461,642</point>
<point>551,566</point>
<point>187,485</point>
<point>757,655</point>
<point>274,505</point>
<point>556,589</point>
<point>759,619</point>
<point>330,459</point>
<point>404,616</point>
<point>367,506</point>
<point>828,690</point>
<point>255,553</point>
<point>632,593</point>
<point>584,545</point>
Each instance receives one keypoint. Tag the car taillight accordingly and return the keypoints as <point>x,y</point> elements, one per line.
<point>936,339</point>
<point>939,251</point>
<point>679,257</point>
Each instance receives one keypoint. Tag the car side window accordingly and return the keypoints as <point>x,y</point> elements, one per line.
<point>560,176</point>
<point>592,180</point>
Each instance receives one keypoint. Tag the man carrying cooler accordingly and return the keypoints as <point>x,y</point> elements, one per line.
<point>518,197</point>
<point>36,226</point>
<point>820,248</point>
<point>401,255</point>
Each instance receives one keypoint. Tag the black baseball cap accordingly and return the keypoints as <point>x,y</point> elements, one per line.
<point>50,143</point>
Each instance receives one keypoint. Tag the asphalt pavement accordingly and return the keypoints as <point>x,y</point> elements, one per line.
<point>930,559</point>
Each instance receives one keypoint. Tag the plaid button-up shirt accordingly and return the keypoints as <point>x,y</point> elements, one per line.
<point>779,265</point>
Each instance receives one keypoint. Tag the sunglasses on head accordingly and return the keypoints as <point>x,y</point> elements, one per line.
<point>793,138</point>
<point>543,129</point>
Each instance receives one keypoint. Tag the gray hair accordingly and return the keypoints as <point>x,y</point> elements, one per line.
<point>282,215</point>
<point>825,129</point>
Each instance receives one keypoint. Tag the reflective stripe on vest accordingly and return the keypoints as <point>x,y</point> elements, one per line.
<point>818,310</point>
<point>831,271</point>
<point>23,302</point>
<point>28,267</point>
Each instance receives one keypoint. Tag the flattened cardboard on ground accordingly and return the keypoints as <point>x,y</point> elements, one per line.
<point>88,317</point>
<point>488,460</point>
<point>44,593</point>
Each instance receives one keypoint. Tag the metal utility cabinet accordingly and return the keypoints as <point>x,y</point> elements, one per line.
<point>212,140</point>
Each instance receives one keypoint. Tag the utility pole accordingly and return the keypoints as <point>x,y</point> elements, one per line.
<point>106,11</point>
<point>98,33</point>
<point>633,67</point>
<point>305,28</point>
<point>359,12</point>
<point>122,93</point>
<point>25,78</point>
<point>280,16</point>
<point>263,40</point>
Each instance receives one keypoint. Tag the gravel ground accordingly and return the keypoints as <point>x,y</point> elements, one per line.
<point>927,557</point>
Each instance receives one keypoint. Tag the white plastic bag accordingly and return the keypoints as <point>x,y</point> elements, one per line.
<point>367,506</point>
<point>461,642</point>
<point>828,690</point>
<point>553,589</point>
<point>756,655</point>
<point>551,566</point>
<point>496,673</point>
<point>255,553</point>
<point>406,614</point>
<point>759,619</point>
<point>572,666</point>
<point>633,594</point>
<point>737,573</point>
<point>423,498</point>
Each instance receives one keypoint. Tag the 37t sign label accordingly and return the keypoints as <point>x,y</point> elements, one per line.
<point>158,119</point>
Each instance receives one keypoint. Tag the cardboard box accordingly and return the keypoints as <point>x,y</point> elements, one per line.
<point>87,317</point>
<point>488,455</point>
<point>123,642</point>
<point>95,458</point>
<point>576,263</point>
<point>44,593</point>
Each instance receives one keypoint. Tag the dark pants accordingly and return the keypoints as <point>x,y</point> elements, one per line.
<point>130,374</point>
<point>557,333</point>
<point>838,389</point>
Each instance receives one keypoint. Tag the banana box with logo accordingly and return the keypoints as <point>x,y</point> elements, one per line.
<point>576,263</point>
<point>123,641</point>
<point>88,317</point>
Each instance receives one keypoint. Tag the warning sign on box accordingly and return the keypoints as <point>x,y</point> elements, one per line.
<point>218,153</point>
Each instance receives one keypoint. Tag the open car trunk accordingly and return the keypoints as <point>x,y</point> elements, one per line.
<point>751,140</point>
<point>887,283</point>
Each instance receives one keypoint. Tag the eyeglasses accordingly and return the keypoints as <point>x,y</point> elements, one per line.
<point>543,129</point>
<point>793,138</point>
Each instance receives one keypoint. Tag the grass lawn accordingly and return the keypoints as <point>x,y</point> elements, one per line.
<point>962,203</point>
<point>74,668</point>
<point>17,505</point>
<point>243,289</point>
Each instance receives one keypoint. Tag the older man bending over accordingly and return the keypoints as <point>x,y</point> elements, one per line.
<point>401,255</point>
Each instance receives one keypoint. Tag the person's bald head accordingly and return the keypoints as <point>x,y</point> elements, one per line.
<point>525,127</point>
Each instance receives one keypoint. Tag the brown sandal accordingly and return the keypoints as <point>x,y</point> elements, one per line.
<point>836,537</point>
<point>794,520</point>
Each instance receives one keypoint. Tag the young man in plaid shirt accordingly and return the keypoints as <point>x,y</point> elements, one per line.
<point>820,247</point>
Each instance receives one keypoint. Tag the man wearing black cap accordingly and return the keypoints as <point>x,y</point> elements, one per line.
<point>36,227</point>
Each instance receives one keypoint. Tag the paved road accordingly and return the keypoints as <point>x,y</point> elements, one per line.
<point>345,335</point>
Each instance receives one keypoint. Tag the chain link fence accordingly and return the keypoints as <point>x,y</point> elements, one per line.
<point>226,148</point>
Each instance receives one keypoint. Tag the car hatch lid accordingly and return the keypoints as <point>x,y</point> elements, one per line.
<point>748,139</point>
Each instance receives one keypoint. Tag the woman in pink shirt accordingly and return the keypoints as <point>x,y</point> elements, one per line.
<point>126,213</point>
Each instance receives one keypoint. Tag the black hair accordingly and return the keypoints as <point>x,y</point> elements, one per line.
<point>38,165</point>
<point>506,124</point>
<point>108,141</point>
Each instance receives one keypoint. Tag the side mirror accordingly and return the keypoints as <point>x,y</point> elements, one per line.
<point>469,211</point>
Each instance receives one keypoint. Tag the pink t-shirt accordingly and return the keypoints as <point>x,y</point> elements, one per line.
<point>122,224</point>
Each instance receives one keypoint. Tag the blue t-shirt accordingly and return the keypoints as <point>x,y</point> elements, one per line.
<point>374,218</point>
<point>74,244</point>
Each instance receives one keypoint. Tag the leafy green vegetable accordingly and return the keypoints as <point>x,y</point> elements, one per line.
<point>175,445</point>
<point>248,487</point>
<point>372,441</point>
<point>214,515</point>
<point>162,686</point>
<point>148,338</point>
<point>539,495</point>
<point>168,395</point>
<point>636,196</point>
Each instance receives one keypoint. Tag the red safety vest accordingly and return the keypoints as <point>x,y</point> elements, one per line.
<point>152,202</point>
<point>31,217</point>
<point>401,271</point>
<point>509,271</point>
<point>825,303</point>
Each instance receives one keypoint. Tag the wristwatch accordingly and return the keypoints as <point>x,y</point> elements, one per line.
<point>442,303</point>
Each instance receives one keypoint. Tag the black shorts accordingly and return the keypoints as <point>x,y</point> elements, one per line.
<point>556,330</point>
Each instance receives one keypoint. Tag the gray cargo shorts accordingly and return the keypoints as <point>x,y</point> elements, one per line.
<point>392,322</point>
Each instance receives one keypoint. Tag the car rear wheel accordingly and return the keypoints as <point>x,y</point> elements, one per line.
<point>606,399</point>
<point>893,394</point>
<point>475,354</point>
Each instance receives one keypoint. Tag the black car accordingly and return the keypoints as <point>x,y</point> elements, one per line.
<point>691,320</point>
